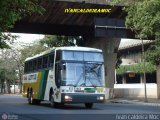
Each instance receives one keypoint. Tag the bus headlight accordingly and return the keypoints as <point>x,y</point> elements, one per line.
<point>67,98</point>
<point>100,98</point>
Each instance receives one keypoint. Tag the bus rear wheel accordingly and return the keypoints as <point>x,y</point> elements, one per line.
<point>30,97</point>
<point>88,105</point>
<point>31,100</point>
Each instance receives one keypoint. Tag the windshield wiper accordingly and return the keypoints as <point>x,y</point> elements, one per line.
<point>78,80</point>
<point>89,70</point>
<point>83,84</point>
<point>92,69</point>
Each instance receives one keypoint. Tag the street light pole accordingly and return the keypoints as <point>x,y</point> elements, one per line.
<point>144,70</point>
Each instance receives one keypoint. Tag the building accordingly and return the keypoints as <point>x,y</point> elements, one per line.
<point>129,76</point>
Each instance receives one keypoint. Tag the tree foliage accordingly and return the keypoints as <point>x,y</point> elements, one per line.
<point>8,69</point>
<point>143,18</point>
<point>30,51</point>
<point>58,41</point>
<point>137,68</point>
<point>153,53</point>
<point>119,61</point>
<point>10,12</point>
<point>12,63</point>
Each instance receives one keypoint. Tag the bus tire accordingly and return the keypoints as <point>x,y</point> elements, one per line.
<point>31,100</point>
<point>27,92</point>
<point>51,101</point>
<point>30,97</point>
<point>88,105</point>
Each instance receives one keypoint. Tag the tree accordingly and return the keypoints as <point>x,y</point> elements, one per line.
<point>10,12</point>
<point>31,50</point>
<point>143,18</point>
<point>19,56</point>
<point>57,41</point>
<point>119,61</point>
<point>12,64</point>
<point>7,70</point>
<point>153,53</point>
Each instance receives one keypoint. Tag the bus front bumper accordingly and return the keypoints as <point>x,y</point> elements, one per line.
<point>82,98</point>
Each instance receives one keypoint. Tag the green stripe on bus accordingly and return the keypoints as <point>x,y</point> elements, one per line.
<point>45,77</point>
<point>40,86</point>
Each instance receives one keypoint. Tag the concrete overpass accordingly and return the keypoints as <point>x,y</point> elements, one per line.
<point>56,22</point>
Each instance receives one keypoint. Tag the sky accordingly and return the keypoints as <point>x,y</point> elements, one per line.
<point>27,38</point>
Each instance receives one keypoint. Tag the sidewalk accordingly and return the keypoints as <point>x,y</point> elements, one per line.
<point>11,94</point>
<point>137,101</point>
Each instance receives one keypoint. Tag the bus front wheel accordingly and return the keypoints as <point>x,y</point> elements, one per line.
<point>55,104</point>
<point>88,105</point>
<point>51,101</point>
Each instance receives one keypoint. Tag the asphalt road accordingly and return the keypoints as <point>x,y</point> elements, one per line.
<point>16,107</point>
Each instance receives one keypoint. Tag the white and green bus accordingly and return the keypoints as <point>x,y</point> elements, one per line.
<point>65,75</point>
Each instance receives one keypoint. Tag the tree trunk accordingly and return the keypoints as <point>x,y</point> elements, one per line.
<point>14,87</point>
<point>20,82</point>
<point>1,87</point>
<point>8,87</point>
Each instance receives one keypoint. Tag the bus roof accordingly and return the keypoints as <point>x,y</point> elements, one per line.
<point>75,48</point>
<point>71,48</point>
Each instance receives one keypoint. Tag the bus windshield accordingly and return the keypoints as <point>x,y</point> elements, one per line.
<point>82,74</point>
<point>82,56</point>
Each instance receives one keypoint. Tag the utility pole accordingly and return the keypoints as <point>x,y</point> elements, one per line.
<point>144,71</point>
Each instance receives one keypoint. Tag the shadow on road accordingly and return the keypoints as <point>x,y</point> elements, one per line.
<point>68,106</point>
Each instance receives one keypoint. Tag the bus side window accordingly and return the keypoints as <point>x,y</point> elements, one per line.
<point>57,75</point>
<point>35,65</point>
<point>51,60</point>
<point>26,67</point>
<point>45,61</point>
<point>40,63</point>
<point>30,66</point>
<point>58,55</point>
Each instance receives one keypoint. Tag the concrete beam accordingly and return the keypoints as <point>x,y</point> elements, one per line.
<point>101,2</point>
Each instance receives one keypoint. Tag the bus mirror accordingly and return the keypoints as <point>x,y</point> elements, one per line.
<point>63,67</point>
<point>59,82</point>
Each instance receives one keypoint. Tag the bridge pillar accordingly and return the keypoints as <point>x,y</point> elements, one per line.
<point>110,49</point>
<point>158,82</point>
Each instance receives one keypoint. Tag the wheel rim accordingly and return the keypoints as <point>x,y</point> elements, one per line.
<point>52,101</point>
<point>30,98</point>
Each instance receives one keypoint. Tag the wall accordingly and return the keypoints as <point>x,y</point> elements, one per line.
<point>131,58</point>
<point>135,90</point>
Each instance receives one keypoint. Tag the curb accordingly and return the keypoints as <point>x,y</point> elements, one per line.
<point>11,94</point>
<point>132,102</point>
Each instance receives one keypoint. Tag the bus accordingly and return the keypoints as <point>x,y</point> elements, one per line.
<point>65,75</point>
